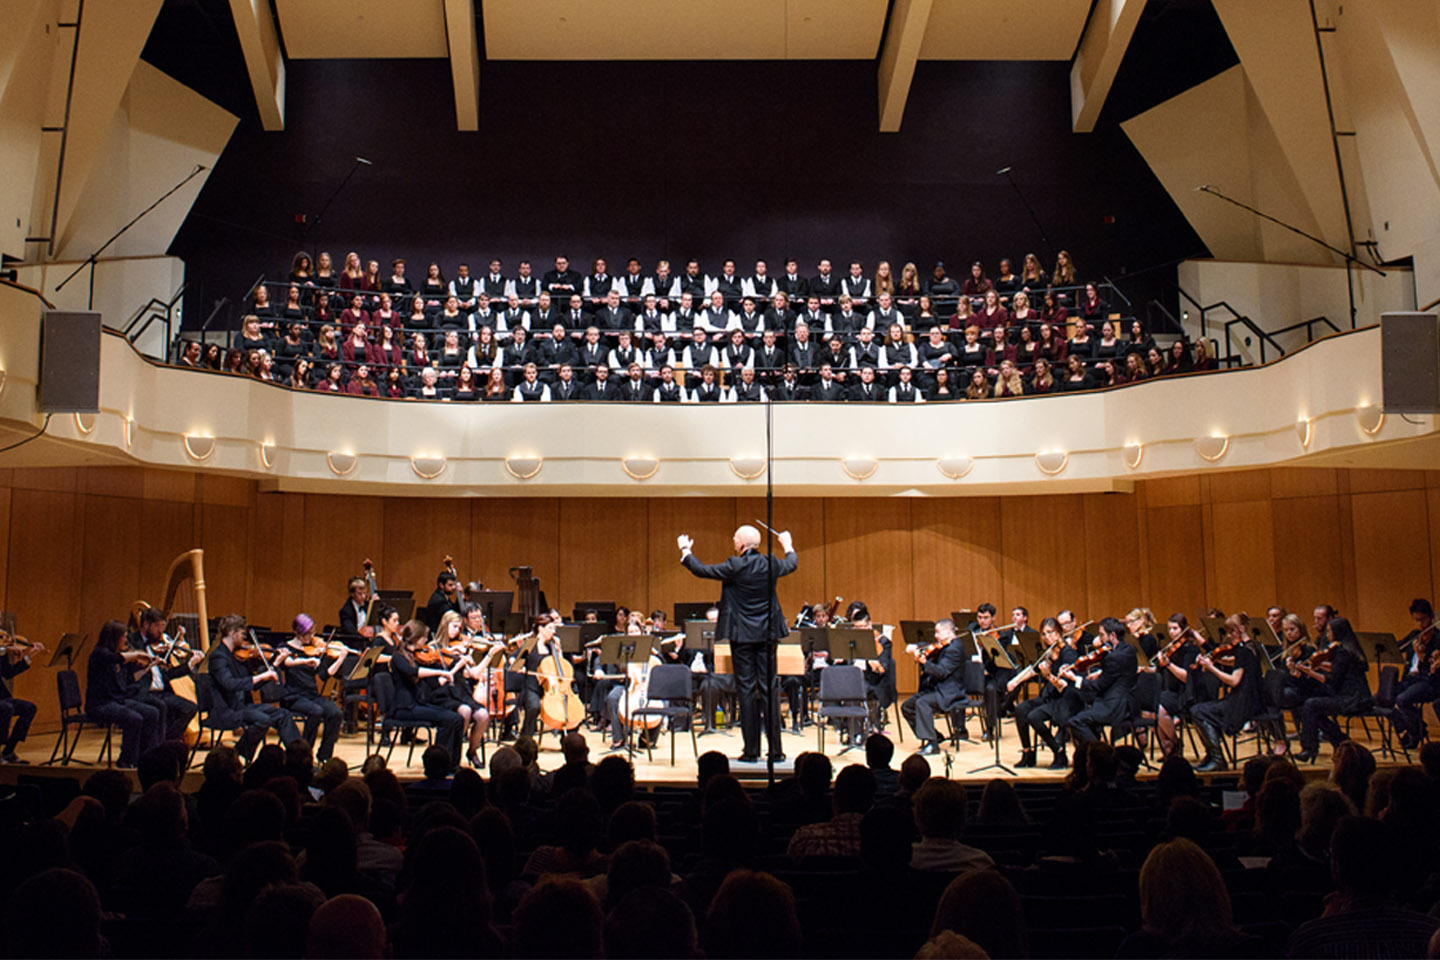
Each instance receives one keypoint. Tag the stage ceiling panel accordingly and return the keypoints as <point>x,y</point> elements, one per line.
<point>362,29</point>
<point>1004,29</point>
<point>683,29</point>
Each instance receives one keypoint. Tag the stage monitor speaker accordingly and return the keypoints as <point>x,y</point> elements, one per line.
<point>1410,362</point>
<point>70,362</point>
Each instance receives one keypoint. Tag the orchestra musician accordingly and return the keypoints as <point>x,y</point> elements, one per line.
<point>1057,702</point>
<point>942,679</point>
<point>1321,617</point>
<point>300,659</point>
<point>750,618</point>
<point>1083,638</point>
<point>1345,688</point>
<point>1178,689</point>
<point>109,699</point>
<point>16,714</point>
<point>152,685</point>
<point>1287,689</point>
<point>1109,692</point>
<point>410,695</point>
<point>714,687</point>
<point>1239,671</point>
<point>617,694</point>
<point>528,699</point>
<point>231,707</point>
<point>996,677</point>
<point>353,613</point>
<point>446,597</point>
<point>1420,684</point>
<point>465,691</point>
<point>880,689</point>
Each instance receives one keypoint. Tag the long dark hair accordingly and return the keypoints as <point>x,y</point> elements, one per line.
<point>1344,634</point>
<point>110,635</point>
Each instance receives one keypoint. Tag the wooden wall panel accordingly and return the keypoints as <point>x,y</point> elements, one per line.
<point>169,530</point>
<point>1392,556</point>
<point>1307,545</point>
<point>605,553</point>
<point>519,532</point>
<point>1043,563</point>
<point>805,519</point>
<point>57,479</point>
<point>1381,481</point>
<point>223,532</point>
<point>956,554</point>
<point>1303,482</point>
<point>275,588</point>
<point>4,539</point>
<point>46,528</point>
<point>710,522</point>
<point>1175,545</point>
<point>1432,496</point>
<point>1112,559</point>
<point>418,533</point>
<point>1241,542</point>
<point>867,555</point>
<point>337,535</point>
<point>110,561</point>
<point>1236,486</point>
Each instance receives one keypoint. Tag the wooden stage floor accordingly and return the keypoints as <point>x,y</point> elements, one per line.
<point>965,763</point>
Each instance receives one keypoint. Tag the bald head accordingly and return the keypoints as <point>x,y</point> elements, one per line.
<point>747,537</point>
<point>346,926</point>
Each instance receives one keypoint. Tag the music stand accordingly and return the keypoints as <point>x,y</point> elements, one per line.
<point>692,611</point>
<point>569,636</point>
<point>1000,656</point>
<point>851,644</point>
<point>1142,659</point>
<point>618,650</point>
<point>700,635</point>
<point>592,631</point>
<point>513,624</point>
<point>1387,650</point>
<point>1270,644</point>
<point>69,647</point>
<point>495,604</point>
<point>1028,642</point>
<point>1214,628</point>
<point>402,600</point>
<point>366,663</point>
<point>917,633</point>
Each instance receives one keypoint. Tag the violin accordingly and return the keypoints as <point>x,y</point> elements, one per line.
<point>925,653</point>
<point>1173,647</point>
<point>1091,659</point>
<point>251,649</point>
<point>1225,653</point>
<point>17,646</point>
<point>1316,660</point>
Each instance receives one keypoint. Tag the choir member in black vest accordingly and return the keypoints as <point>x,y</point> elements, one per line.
<point>634,286</point>
<point>683,319</point>
<point>1418,684</point>
<point>804,352</point>
<point>715,318</point>
<point>597,286</point>
<point>729,285</point>
<point>746,390</point>
<point>813,315</point>
<point>516,355</point>
<point>531,389</point>
<point>447,596</point>
<point>827,388</point>
<point>649,320</point>
<point>575,318</point>
<point>551,354</point>
<point>905,391</point>
<point>1057,701</point>
<point>780,317</point>
<point>845,322</point>
<point>302,669</point>
<point>655,356</point>
<point>562,281</point>
<point>697,355</point>
<point>790,283</point>
<point>462,288</point>
<point>495,285</point>
<point>512,317</point>
<point>738,355</point>
<point>749,320</point>
<point>593,353</point>
<point>865,352</point>
<point>230,707</point>
<point>825,287</point>
<point>694,282</point>
<point>566,387</point>
<point>942,678</point>
<point>544,315</point>
<point>768,358</point>
<point>153,685</point>
<point>1239,671</point>
<point>526,287</point>
<point>759,285</point>
<point>835,353</point>
<point>705,390</point>
<point>108,696</point>
<point>603,388</point>
<point>1109,692</point>
<point>624,352</point>
<point>857,286</point>
<point>867,390</point>
<point>1344,689</point>
<point>885,313</point>
<point>667,390</point>
<point>666,286</point>
<point>788,386</point>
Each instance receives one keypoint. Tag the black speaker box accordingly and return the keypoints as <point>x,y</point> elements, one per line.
<point>1410,362</point>
<point>70,362</point>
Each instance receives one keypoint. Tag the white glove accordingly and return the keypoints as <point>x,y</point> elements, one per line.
<point>785,542</point>
<point>684,543</point>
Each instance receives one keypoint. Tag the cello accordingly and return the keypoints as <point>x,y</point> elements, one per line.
<point>560,706</point>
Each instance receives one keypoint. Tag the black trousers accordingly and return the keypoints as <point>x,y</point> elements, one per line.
<point>22,712</point>
<point>715,687</point>
<point>919,712</point>
<point>175,711</point>
<point>256,718</point>
<point>1317,718</point>
<point>317,711</point>
<point>1037,714</point>
<point>751,662</point>
<point>447,725</point>
<point>1415,692</point>
<point>139,724</point>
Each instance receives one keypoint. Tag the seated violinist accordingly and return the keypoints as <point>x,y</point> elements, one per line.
<point>1341,671</point>
<point>1057,701</point>
<point>465,691</point>
<point>108,694</point>
<point>411,693</point>
<point>630,691</point>
<point>152,685</point>
<point>1236,665</point>
<point>942,683</point>
<point>1177,692</point>
<point>1420,684</point>
<point>1107,685</point>
<point>233,681</point>
<point>301,660</point>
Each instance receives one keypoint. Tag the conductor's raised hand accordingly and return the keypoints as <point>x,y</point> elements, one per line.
<point>786,543</point>
<point>684,543</point>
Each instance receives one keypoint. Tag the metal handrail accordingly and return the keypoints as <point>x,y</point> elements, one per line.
<point>1309,326</point>
<point>1255,329</point>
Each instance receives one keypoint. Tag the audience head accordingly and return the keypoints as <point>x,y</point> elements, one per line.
<point>159,815</point>
<point>1190,818</point>
<point>161,764</point>
<point>1354,766</point>
<point>436,762</point>
<point>650,922</point>
<point>982,906</point>
<point>1101,765</point>
<point>278,922</point>
<point>574,748</point>
<point>1183,899</point>
<point>812,770</point>
<point>637,864</point>
<point>55,913</point>
<point>712,763</point>
<point>1361,851</point>
<point>730,830</point>
<point>879,750</point>
<point>346,926</point>
<point>885,836</point>
<point>752,915</point>
<point>467,791</point>
<point>1277,812</point>
<point>914,772</point>
<point>613,782</point>
<point>539,935</point>
<point>1430,758</point>
<point>1322,805</point>
<point>580,822</point>
<point>854,789</point>
<point>940,809</point>
<point>255,816</point>
<point>1177,778</point>
<point>1000,804</point>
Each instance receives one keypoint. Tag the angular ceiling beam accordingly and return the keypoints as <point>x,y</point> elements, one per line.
<point>263,59</point>
<point>464,62</point>
<point>1102,47</point>
<point>903,36</point>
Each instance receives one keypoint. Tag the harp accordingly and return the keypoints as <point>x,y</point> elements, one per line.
<point>184,605</point>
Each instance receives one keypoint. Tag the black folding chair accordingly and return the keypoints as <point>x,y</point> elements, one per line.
<point>382,686</point>
<point>72,711</point>
<point>204,706</point>
<point>842,697</point>
<point>668,694</point>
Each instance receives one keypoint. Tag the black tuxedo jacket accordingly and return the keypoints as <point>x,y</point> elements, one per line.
<point>827,391</point>
<point>749,610</point>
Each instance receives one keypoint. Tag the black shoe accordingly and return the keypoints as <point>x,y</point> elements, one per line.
<point>776,758</point>
<point>1027,759</point>
<point>1409,741</point>
<point>962,734</point>
<point>1211,765</point>
<point>10,757</point>
<point>474,759</point>
<point>1307,756</point>
<point>748,758</point>
<point>1060,762</point>
<point>930,749</point>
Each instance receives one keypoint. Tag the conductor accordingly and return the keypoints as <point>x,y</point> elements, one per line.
<point>750,618</point>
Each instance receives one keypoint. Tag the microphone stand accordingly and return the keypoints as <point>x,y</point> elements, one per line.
<point>1044,239</point>
<point>331,199</point>
<point>91,260</point>
<point>772,708</point>
<point>1349,258</point>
